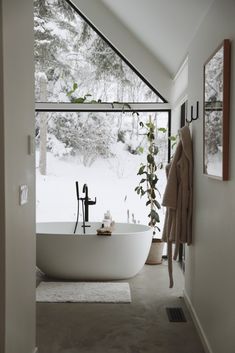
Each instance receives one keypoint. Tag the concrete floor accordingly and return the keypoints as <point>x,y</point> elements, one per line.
<point>139,327</point>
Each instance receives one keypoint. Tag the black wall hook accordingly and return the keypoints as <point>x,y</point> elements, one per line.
<point>197,114</point>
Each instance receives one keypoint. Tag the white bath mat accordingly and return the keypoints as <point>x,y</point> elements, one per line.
<point>85,292</point>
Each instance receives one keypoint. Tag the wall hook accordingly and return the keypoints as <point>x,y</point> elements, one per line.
<point>197,114</point>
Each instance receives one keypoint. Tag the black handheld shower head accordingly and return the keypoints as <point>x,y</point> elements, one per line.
<point>77,190</point>
<point>85,188</point>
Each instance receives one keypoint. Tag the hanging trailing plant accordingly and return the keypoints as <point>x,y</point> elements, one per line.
<point>80,99</point>
<point>148,173</point>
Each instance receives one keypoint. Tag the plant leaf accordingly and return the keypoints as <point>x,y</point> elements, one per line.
<point>140,149</point>
<point>153,149</point>
<point>75,86</point>
<point>69,93</point>
<point>150,159</point>
<point>153,194</point>
<point>79,100</point>
<point>155,215</point>
<point>157,204</point>
<point>141,170</point>
<point>142,192</point>
<point>162,129</point>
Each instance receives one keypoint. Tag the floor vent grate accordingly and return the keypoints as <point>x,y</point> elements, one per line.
<point>176,315</point>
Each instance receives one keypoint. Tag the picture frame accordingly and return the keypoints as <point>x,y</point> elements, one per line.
<point>216,101</point>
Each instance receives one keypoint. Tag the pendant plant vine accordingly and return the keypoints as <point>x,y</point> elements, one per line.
<point>85,99</point>
<point>80,99</point>
<point>148,174</point>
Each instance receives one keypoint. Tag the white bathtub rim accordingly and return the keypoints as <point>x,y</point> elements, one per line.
<point>142,228</point>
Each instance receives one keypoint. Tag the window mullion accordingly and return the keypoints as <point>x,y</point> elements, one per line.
<point>101,107</point>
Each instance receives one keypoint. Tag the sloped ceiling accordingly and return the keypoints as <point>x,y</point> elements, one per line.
<point>164,27</point>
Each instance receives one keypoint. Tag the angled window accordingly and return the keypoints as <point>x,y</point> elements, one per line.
<point>76,63</point>
<point>102,145</point>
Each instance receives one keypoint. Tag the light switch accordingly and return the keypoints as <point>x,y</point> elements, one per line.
<point>30,145</point>
<point>23,194</point>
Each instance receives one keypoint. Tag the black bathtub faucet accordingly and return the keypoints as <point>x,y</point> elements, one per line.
<point>86,202</point>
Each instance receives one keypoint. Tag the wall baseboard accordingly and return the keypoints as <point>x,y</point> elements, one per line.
<point>197,324</point>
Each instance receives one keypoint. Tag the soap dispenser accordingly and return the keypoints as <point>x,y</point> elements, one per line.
<point>107,219</point>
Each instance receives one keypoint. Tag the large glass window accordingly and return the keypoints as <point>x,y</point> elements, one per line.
<point>103,150</point>
<point>70,53</point>
<point>75,63</point>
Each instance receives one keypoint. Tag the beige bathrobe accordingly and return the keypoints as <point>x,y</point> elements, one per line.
<point>178,197</point>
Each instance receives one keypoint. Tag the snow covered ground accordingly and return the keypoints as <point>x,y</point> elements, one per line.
<point>112,181</point>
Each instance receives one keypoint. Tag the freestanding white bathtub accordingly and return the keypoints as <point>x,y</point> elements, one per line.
<point>62,254</point>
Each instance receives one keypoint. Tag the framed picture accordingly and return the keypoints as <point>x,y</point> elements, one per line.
<point>216,113</point>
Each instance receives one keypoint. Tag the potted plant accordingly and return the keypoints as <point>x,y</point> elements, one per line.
<point>148,186</point>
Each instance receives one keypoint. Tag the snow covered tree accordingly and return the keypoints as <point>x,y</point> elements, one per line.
<point>68,50</point>
<point>64,126</point>
<point>213,102</point>
<point>213,132</point>
<point>42,83</point>
<point>94,137</point>
<point>55,32</point>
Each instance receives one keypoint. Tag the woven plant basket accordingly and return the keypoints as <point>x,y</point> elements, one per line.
<point>155,253</point>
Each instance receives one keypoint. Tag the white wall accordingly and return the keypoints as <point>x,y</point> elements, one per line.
<point>2,210</point>
<point>179,94</point>
<point>209,280</point>
<point>17,113</point>
<point>144,61</point>
<point>179,89</point>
